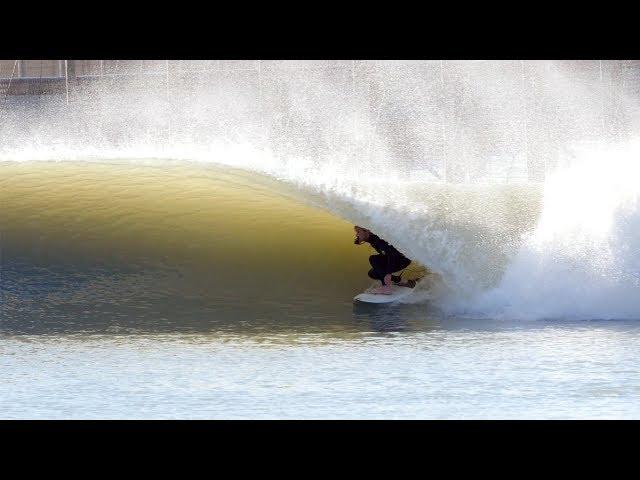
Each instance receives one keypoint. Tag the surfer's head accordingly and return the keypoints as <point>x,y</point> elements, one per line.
<point>362,234</point>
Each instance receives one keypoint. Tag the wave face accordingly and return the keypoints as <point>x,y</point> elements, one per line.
<point>510,181</point>
<point>188,242</point>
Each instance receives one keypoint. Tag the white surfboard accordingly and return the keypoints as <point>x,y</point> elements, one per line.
<point>397,292</point>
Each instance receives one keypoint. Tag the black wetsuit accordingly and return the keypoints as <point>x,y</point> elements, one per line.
<point>388,261</point>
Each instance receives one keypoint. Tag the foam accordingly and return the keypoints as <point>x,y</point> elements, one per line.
<point>582,260</point>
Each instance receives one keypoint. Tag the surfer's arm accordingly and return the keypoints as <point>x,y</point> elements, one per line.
<point>383,247</point>
<point>380,245</point>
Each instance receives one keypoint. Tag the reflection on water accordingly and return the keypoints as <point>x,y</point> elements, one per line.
<point>382,368</point>
<point>60,299</point>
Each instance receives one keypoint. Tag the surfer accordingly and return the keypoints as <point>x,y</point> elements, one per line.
<point>388,261</point>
